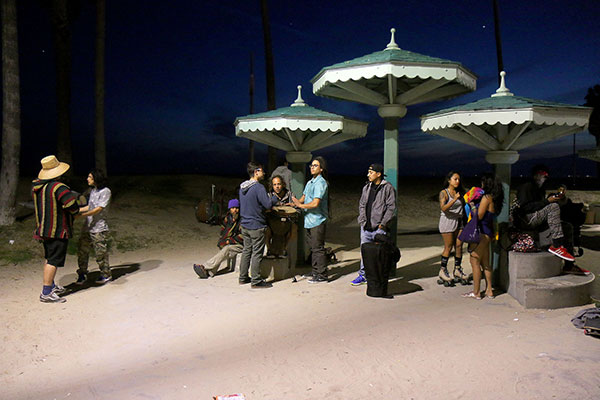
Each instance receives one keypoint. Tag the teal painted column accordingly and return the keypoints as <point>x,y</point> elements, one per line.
<point>390,163</point>
<point>391,113</point>
<point>298,161</point>
<point>502,161</point>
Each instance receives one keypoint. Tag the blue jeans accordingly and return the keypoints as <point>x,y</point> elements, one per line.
<point>367,237</point>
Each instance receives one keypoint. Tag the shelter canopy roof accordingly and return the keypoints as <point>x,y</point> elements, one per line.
<point>394,76</point>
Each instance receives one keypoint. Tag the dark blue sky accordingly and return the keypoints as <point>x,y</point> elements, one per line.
<point>177,76</point>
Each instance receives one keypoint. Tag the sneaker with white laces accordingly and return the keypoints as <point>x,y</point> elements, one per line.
<point>51,298</point>
<point>561,252</point>
<point>58,289</point>
<point>359,280</point>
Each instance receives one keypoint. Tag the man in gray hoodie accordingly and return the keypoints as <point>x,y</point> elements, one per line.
<point>253,201</point>
<point>376,209</point>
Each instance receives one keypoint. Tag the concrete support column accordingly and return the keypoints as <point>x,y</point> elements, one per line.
<point>391,113</point>
<point>502,161</point>
<point>298,161</point>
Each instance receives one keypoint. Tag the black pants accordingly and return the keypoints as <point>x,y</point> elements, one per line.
<point>315,239</point>
<point>378,260</point>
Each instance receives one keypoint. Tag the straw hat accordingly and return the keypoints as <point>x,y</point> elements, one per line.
<point>52,168</point>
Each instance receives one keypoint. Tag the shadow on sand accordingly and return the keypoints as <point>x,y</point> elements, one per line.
<point>402,283</point>
<point>118,274</point>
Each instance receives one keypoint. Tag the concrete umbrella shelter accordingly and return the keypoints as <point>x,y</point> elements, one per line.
<point>502,125</point>
<point>299,130</point>
<point>391,80</point>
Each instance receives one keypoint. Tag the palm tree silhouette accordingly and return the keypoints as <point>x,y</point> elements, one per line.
<point>592,99</point>
<point>11,113</point>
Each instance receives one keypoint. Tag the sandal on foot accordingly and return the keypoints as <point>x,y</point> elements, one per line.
<point>490,297</point>
<point>472,295</point>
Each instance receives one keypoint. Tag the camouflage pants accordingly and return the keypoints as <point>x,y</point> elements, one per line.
<point>100,244</point>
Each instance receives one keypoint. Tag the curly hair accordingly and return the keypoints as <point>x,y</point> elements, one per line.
<point>492,185</point>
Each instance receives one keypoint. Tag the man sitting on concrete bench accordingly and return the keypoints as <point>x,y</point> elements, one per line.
<point>535,210</point>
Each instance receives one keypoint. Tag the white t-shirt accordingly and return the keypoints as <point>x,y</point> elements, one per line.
<point>98,198</point>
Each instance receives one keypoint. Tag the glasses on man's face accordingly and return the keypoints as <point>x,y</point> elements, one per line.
<point>314,165</point>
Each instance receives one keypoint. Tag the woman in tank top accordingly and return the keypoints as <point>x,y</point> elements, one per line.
<point>450,225</point>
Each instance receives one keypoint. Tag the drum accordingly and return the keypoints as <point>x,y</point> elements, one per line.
<point>280,223</point>
<point>285,211</point>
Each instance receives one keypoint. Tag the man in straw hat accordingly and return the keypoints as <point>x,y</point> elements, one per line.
<point>55,205</point>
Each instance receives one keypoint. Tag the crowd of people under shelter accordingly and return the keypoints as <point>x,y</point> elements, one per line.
<point>261,218</point>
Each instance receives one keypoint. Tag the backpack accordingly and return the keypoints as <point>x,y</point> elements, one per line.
<point>523,243</point>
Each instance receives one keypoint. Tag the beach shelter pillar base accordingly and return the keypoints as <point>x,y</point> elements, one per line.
<point>502,162</point>
<point>298,161</point>
<point>391,113</point>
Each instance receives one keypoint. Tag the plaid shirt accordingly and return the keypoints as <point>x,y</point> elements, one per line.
<point>55,206</point>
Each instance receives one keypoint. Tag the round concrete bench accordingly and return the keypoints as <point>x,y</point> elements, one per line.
<point>535,280</point>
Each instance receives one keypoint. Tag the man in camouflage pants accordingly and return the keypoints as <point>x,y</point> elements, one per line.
<point>95,229</point>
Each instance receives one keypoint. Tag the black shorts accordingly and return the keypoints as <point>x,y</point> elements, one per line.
<point>55,251</point>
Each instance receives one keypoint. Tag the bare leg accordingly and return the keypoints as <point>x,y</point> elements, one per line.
<point>449,239</point>
<point>458,245</point>
<point>49,274</point>
<point>488,282</point>
<point>476,266</point>
<point>487,270</point>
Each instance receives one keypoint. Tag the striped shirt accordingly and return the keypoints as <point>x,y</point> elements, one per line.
<point>55,206</point>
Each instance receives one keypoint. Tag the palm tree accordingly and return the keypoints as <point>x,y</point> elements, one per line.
<point>270,75</point>
<point>11,113</point>
<point>99,137</point>
<point>592,99</point>
<point>62,13</point>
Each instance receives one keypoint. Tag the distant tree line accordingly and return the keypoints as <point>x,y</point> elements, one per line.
<point>62,13</point>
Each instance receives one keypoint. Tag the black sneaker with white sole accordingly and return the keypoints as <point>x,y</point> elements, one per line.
<point>103,279</point>
<point>261,285</point>
<point>318,279</point>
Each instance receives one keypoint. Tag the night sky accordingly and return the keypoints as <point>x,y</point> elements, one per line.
<point>177,76</point>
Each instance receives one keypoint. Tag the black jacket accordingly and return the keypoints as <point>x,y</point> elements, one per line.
<point>531,198</point>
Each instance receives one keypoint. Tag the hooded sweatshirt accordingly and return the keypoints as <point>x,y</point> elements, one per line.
<point>55,206</point>
<point>253,201</point>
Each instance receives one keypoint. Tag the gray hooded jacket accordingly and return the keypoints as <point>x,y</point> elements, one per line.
<point>383,207</point>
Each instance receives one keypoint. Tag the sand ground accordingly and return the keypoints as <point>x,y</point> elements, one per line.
<point>158,332</point>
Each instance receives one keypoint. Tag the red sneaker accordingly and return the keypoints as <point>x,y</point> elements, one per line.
<point>575,270</point>
<point>561,252</point>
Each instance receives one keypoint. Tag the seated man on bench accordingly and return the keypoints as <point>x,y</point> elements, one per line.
<point>535,210</point>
